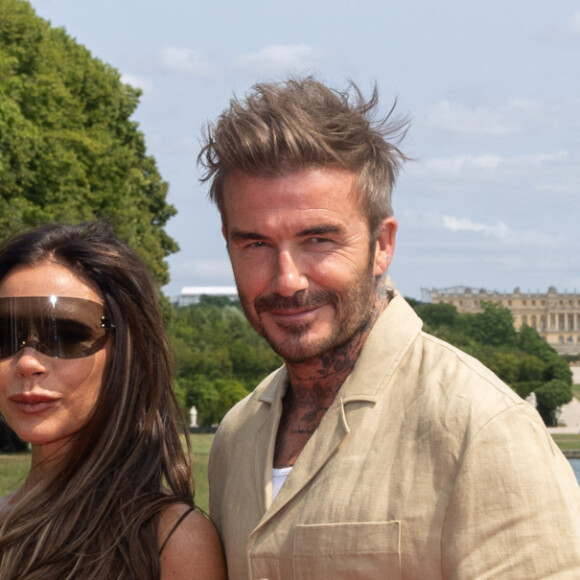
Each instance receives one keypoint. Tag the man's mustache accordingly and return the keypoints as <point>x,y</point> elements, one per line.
<point>302,299</point>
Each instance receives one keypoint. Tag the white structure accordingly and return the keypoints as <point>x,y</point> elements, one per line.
<point>193,416</point>
<point>192,294</point>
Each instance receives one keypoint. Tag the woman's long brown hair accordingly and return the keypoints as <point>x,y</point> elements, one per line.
<point>97,515</point>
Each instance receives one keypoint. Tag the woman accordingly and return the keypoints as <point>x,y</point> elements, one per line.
<point>85,379</point>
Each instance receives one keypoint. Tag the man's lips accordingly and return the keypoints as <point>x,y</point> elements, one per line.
<point>33,402</point>
<point>293,311</point>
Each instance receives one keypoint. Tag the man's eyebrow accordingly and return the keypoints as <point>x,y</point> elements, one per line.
<point>321,230</point>
<point>242,235</point>
<point>318,230</point>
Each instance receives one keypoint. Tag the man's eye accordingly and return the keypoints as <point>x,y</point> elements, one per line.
<point>257,244</point>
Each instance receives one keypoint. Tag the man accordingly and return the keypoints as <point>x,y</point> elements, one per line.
<point>376,451</point>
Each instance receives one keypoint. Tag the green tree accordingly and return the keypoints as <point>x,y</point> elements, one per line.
<point>494,326</point>
<point>550,396</point>
<point>437,315</point>
<point>522,359</point>
<point>505,365</point>
<point>201,393</point>
<point>69,150</point>
<point>219,357</point>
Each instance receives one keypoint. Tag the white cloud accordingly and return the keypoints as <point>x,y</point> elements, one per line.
<point>490,165</point>
<point>510,118</point>
<point>140,82</point>
<point>575,23</point>
<point>523,105</point>
<point>460,163</point>
<point>454,118</point>
<point>499,230</point>
<point>502,233</point>
<point>185,61</point>
<point>279,58</point>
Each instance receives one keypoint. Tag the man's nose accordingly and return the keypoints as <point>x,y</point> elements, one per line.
<point>289,277</point>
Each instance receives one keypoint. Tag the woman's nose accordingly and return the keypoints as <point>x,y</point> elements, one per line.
<point>29,361</point>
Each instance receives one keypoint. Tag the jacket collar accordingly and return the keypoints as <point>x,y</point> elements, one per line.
<point>391,336</point>
<point>385,347</point>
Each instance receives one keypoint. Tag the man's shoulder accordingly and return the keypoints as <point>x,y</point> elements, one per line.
<point>460,379</point>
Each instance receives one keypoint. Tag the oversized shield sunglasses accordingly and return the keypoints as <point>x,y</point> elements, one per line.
<point>57,326</point>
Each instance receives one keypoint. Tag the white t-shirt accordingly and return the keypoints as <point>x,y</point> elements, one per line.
<point>279,477</point>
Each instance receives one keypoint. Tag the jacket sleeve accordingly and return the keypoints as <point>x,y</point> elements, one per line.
<point>515,508</point>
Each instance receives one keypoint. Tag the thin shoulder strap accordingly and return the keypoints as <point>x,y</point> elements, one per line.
<point>175,526</point>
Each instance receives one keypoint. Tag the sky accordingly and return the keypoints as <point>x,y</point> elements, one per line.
<point>492,197</point>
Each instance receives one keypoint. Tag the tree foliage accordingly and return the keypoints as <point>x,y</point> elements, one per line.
<point>520,358</point>
<point>69,150</point>
<point>549,397</point>
<point>219,357</point>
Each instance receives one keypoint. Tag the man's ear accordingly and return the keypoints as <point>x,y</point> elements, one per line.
<point>385,245</point>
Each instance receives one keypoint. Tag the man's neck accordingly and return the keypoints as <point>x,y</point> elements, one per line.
<point>313,386</point>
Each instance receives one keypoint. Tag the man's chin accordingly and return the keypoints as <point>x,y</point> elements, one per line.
<point>297,349</point>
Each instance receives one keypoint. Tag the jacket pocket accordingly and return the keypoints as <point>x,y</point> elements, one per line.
<point>344,551</point>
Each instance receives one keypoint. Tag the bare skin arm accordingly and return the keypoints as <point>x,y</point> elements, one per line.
<point>193,552</point>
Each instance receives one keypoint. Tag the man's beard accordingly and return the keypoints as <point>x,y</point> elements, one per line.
<point>352,313</point>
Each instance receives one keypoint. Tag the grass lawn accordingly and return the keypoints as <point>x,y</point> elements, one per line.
<point>14,467</point>
<point>13,470</point>
<point>201,444</point>
<point>564,441</point>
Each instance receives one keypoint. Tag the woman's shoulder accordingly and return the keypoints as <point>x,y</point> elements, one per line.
<point>190,547</point>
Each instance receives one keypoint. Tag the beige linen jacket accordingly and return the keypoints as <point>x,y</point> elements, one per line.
<point>426,466</point>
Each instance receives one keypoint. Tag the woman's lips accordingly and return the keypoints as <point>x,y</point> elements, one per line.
<point>33,402</point>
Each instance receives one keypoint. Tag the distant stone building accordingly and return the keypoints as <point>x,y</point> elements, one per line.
<point>555,316</point>
<point>192,294</point>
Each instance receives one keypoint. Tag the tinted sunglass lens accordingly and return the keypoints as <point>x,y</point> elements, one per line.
<point>8,338</point>
<point>58,327</point>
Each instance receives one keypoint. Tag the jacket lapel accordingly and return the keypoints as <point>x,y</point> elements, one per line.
<point>362,385</point>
